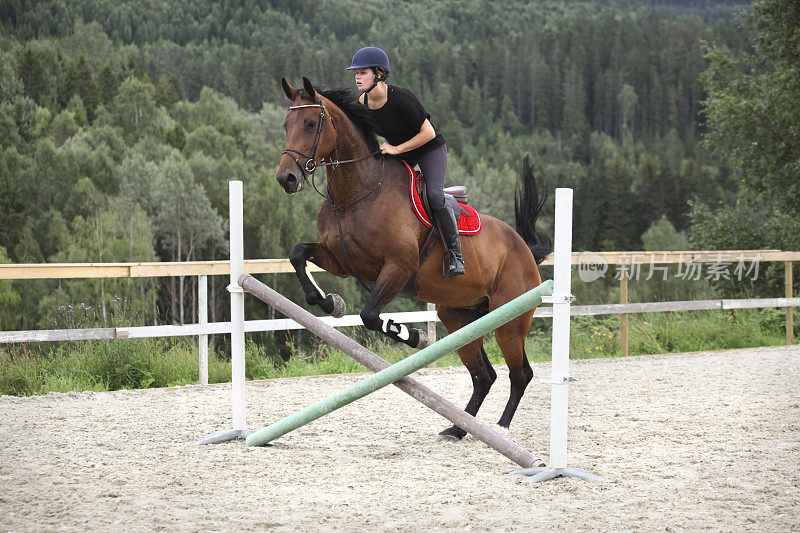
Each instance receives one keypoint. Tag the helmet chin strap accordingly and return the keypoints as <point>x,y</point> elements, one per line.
<point>374,84</point>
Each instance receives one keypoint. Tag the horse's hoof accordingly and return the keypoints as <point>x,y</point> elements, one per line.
<point>422,339</point>
<point>339,306</point>
<point>502,430</point>
<point>451,434</point>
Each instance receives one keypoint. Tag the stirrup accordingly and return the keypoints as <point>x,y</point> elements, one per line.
<point>450,258</point>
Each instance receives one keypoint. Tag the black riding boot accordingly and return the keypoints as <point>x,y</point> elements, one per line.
<point>453,264</point>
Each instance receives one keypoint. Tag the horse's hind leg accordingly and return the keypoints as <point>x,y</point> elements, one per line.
<point>474,358</point>
<point>511,339</point>
<point>317,253</point>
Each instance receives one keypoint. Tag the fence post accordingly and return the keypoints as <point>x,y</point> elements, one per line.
<point>789,310</point>
<point>202,319</point>
<point>623,318</point>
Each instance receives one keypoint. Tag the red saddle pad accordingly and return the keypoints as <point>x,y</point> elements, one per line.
<point>468,224</point>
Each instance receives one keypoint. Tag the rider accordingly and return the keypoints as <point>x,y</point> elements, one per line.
<point>404,123</point>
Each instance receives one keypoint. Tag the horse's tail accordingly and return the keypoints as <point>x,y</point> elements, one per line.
<point>528,205</point>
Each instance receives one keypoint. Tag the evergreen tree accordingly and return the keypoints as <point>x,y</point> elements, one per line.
<point>168,91</point>
<point>34,74</point>
<point>627,100</point>
<point>80,82</point>
<point>107,85</point>
<point>574,103</point>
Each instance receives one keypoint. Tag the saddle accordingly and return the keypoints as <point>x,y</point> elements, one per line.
<point>459,192</point>
<point>452,197</point>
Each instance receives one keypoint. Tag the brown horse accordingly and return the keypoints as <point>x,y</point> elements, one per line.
<point>368,230</point>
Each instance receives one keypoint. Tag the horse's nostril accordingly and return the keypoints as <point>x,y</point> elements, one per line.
<point>291,179</point>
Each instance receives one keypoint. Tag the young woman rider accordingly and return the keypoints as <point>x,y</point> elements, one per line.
<point>406,125</point>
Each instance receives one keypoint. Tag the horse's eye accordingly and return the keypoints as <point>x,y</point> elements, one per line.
<point>310,123</point>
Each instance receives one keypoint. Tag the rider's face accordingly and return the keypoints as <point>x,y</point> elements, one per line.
<point>365,77</point>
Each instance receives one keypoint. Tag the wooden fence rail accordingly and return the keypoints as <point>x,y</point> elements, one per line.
<point>282,266</point>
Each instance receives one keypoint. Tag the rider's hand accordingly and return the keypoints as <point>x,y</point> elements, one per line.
<point>388,149</point>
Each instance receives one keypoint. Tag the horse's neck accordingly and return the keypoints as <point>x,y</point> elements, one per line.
<point>352,143</point>
<point>350,181</point>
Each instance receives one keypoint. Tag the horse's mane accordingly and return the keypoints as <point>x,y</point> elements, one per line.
<point>347,100</point>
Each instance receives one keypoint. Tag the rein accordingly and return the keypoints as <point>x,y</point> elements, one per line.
<point>311,166</point>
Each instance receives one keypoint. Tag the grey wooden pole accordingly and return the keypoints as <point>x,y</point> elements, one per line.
<point>416,390</point>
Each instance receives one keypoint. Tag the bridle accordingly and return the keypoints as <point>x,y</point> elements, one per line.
<point>311,159</point>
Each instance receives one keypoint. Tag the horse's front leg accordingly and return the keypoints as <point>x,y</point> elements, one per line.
<point>390,282</point>
<point>317,253</point>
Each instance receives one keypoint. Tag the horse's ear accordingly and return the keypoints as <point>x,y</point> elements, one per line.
<point>309,88</point>
<point>290,92</point>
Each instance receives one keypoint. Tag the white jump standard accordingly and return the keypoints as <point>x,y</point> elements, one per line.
<point>236,214</point>
<point>559,374</point>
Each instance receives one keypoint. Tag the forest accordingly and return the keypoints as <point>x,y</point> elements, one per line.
<point>122,122</point>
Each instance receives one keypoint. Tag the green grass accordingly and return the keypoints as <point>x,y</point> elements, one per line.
<point>143,363</point>
<point>102,366</point>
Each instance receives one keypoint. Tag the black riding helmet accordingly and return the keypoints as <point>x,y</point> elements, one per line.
<point>374,58</point>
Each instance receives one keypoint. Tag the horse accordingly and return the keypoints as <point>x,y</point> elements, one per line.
<point>368,230</point>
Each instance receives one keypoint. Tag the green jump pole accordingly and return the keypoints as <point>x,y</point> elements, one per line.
<point>421,359</point>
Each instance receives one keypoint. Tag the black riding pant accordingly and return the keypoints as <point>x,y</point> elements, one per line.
<point>434,167</point>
